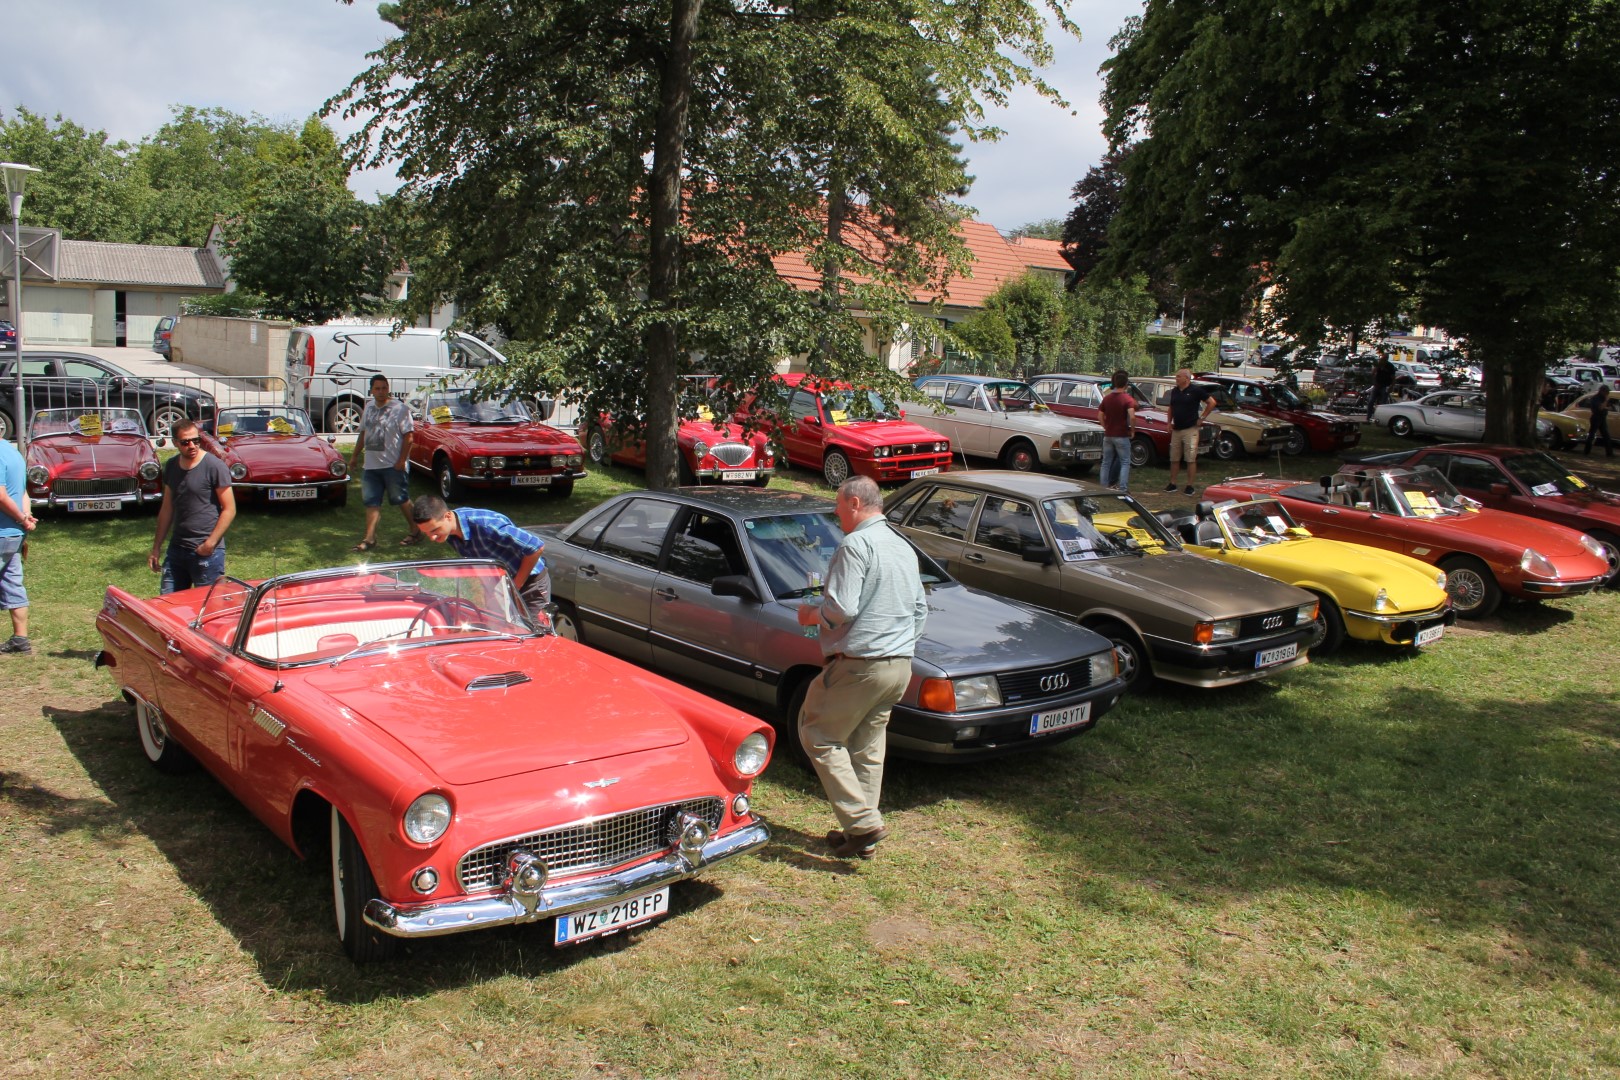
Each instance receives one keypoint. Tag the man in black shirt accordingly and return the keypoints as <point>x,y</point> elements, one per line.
<point>199,503</point>
<point>1190,406</point>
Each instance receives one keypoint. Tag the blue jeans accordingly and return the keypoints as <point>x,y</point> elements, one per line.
<point>1116,462</point>
<point>183,568</point>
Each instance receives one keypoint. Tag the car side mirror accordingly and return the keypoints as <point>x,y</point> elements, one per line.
<point>814,420</point>
<point>544,408</point>
<point>331,440</point>
<point>1036,553</point>
<point>1500,489</point>
<point>739,585</point>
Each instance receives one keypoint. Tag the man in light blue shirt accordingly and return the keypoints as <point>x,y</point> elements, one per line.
<point>871,615</point>
<point>15,525</point>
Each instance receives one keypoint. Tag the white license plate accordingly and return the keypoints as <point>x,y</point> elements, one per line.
<point>922,472</point>
<point>1043,723</point>
<point>84,506</point>
<point>1268,657</point>
<point>292,494</point>
<point>615,916</point>
<point>532,481</point>
<point>1433,633</point>
<point>740,474</point>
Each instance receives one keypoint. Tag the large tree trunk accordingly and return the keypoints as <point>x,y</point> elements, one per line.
<point>1512,384</point>
<point>832,280</point>
<point>662,338</point>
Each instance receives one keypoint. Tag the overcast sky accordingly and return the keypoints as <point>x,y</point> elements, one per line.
<point>119,65</point>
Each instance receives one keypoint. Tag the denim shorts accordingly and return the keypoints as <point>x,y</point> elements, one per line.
<point>183,568</point>
<point>12,593</point>
<point>373,482</point>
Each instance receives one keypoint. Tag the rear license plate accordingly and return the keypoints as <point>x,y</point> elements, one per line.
<point>922,472</point>
<point>739,474</point>
<point>610,917</point>
<point>87,505</point>
<point>1268,657</point>
<point>1043,723</point>
<point>532,481</point>
<point>292,494</point>
<point>1433,633</point>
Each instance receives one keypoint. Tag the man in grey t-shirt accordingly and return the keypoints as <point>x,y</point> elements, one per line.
<point>385,435</point>
<point>199,503</point>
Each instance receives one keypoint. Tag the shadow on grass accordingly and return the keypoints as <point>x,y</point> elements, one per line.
<point>277,907</point>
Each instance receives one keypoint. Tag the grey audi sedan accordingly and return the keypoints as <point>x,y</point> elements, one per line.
<point>705,583</point>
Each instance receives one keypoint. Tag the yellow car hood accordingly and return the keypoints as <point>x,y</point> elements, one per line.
<point>1351,573</point>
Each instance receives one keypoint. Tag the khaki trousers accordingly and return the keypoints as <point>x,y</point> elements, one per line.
<point>843,728</point>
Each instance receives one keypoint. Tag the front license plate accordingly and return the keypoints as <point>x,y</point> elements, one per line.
<point>292,494</point>
<point>1046,722</point>
<point>740,474</point>
<point>922,472</point>
<point>84,506</point>
<point>614,916</point>
<point>1269,657</point>
<point>1433,633</point>
<point>532,481</point>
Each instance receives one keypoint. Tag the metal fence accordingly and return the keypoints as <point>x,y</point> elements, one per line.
<point>161,403</point>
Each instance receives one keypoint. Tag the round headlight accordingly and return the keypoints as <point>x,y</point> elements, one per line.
<point>752,754</point>
<point>149,470</point>
<point>699,448</point>
<point>882,451</point>
<point>238,471</point>
<point>38,474</point>
<point>338,467</point>
<point>941,447</point>
<point>427,818</point>
<point>497,462</point>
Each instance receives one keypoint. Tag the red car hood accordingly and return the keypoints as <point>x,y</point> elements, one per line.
<point>706,430</point>
<point>508,438</point>
<point>274,455</point>
<point>75,456</point>
<point>577,706</point>
<point>883,433</point>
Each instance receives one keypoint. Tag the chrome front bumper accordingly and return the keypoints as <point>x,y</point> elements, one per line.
<point>518,905</point>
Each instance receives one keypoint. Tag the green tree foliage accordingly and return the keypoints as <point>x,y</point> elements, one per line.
<point>312,252</point>
<point>1354,163</point>
<point>985,336</point>
<point>1033,309</point>
<point>1096,200</point>
<point>1044,229</point>
<point>84,186</point>
<point>1107,326</point>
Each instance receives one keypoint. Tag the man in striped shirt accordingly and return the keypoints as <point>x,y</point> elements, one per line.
<point>484,534</point>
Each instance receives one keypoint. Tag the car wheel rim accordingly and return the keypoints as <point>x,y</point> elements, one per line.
<point>1400,426</point>
<point>563,624</point>
<point>1129,663</point>
<point>1139,455</point>
<point>163,421</point>
<point>1319,629</point>
<point>1296,443</point>
<point>1224,448</point>
<point>1466,587</point>
<point>154,736</point>
<point>338,905</point>
<point>346,420</point>
<point>1022,460</point>
<point>444,484</point>
<point>597,446</point>
<point>836,469</point>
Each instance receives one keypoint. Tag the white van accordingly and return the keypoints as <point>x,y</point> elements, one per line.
<point>329,368</point>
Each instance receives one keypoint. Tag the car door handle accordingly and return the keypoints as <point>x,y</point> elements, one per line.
<point>587,571</point>
<point>1335,513</point>
<point>665,594</point>
<point>973,556</point>
<point>173,649</point>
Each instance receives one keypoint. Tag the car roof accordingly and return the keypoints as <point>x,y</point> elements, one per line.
<point>978,379</point>
<point>743,502</point>
<point>1072,377</point>
<point>1031,485</point>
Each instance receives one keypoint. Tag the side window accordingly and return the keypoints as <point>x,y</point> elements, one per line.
<point>587,534</point>
<point>1007,525</point>
<point>637,533</point>
<point>34,369</point>
<point>897,513</point>
<point>1248,395</point>
<point>78,369</point>
<point>934,389</point>
<point>803,406</point>
<point>964,396</point>
<point>946,511</point>
<point>703,548</point>
<point>1475,473</point>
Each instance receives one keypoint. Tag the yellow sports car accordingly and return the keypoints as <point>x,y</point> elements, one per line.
<point>1367,593</point>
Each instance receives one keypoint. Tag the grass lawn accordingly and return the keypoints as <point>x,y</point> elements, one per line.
<point>1379,865</point>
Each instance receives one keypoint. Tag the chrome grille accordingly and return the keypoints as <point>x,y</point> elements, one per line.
<point>528,461</point>
<point>589,845</point>
<point>78,489</point>
<point>498,681</point>
<point>1083,438</point>
<point>1018,687</point>
<point>732,453</point>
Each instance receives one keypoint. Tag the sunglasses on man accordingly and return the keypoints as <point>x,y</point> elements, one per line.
<point>193,441</point>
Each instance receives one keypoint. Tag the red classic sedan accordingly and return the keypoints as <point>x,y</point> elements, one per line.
<point>460,766</point>
<point>1417,512</point>
<point>1314,429</point>
<point>711,450</point>
<point>1081,396</point>
<point>822,430</point>
<point>467,443</point>
<point>87,460</point>
<point>275,456</point>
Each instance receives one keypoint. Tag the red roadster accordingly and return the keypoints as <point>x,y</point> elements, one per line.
<point>711,450</point>
<point>467,442</point>
<point>463,768</point>
<point>275,456</point>
<point>1417,512</point>
<point>90,459</point>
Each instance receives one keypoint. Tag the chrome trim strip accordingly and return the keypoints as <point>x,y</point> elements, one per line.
<point>1419,616</point>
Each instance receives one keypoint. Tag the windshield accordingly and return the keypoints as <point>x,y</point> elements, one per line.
<point>86,422</point>
<point>466,407</point>
<point>793,551</point>
<point>1543,475</point>
<point>1099,526</point>
<point>267,420</point>
<point>332,615</point>
<point>1288,399</point>
<point>1256,524</point>
<point>846,405</point>
<point>1013,396</point>
<point>1422,492</point>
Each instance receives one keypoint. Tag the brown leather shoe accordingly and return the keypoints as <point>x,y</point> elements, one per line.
<point>857,845</point>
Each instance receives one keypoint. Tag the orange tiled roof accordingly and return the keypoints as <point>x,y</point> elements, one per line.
<point>1043,254</point>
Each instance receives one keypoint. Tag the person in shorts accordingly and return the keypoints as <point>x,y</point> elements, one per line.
<point>386,431</point>
<point>1190,406</point>
<point>15,525</point>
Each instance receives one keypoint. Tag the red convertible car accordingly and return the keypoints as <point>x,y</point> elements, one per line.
<point>83,460</point>
<point>468,442</point>
<point>275,456</point>
<point>820,430</point>
<point>461,767</point>
<point>1528,482</point>
<point>1417,512</point>
<point>711,450</point>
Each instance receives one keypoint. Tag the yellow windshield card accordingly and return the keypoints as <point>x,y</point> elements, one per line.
<point>225,431</point>
<point>705,413</point>
<point>1421,504</point>
<point>278,426</point>
<point>440,414</point>
<point>1577,481</point>
<point>89,425</point>
<point>839,416</point>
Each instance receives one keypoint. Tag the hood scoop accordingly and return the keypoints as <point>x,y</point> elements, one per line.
<point>474,672</point>
<point>497,682</point>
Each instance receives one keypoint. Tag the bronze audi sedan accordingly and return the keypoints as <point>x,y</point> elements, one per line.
<point>1098,557</point>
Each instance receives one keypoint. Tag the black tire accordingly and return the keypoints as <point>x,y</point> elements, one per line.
<point>562,490</point>
<point>1612,543</point>
<point>1020,455</point>
<point>7,432</point>
<point>835,468</point>
<point>596,447</point>
<point>444,475</point>
<point>1297,442</point>
<point>1143,452</point>
<point>788,743</point>
<point>1328,633</point>
<point>565,621</point>
<point>166,755</point>
<point>162,420</point>
<point>1474,592</point>
<point>1400,426</point>
<point>1134,666</point>
<point>1228,447</point>
<point>343,417</point>
<point>352,886</point>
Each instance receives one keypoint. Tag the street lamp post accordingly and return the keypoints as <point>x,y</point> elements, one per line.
<point>17,175</point>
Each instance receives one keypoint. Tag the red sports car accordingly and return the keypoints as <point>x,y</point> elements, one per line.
<point>1528,482</point>
<point>460,766</point>
<point>83,460</point>
<point>1314,429</point>
<point>711,450</point>
<point>823,431</point>
<point>275,456</point>
<point>1417,512</point>
<point>467,442</point>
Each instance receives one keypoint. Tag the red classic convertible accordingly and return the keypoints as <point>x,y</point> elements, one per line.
<point>90,459</point>
<point>461,768</point>
<point>467,443</point>
<point>1418,512</point>
<point>711,450</point>
<point>275,456</point>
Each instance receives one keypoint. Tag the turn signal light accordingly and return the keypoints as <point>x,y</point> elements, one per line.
<point>937,695</point>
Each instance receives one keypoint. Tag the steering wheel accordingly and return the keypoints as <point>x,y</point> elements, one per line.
<point>449,609</point>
